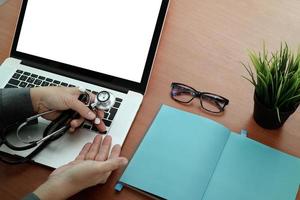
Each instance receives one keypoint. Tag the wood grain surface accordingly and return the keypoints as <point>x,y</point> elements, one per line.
<point>202,45</point>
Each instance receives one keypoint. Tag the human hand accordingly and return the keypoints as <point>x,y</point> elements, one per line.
<point>63,98</point>
<point>92,166</point>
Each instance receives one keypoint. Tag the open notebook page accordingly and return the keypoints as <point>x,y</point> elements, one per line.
<point>177,156</point>
<point>249,170</point>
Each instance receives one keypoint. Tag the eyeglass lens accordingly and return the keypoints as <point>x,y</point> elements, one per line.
<point>209,103</point>
<point>182,93</point>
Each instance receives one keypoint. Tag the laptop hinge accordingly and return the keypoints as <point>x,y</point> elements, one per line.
<point>77,76</point>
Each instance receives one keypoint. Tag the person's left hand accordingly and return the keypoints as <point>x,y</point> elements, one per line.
<point>63,98</point>
<point>92,166</point>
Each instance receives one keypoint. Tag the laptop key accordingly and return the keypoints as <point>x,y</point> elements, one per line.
<point>14,82</point>
<point>53,84</point>
<point>106,122</point>
<point>23,84</point>
<point>34,75</point>
<point>72,85</point>
<point>42,77</point>
<point>16,75</point>
<point>112,112</point>
<point>10,86</point>
<point>49,79</point>
<point>26,73</point>
<point>106,115</point>
<point>119,99</point>
<point>56,82</point>
<point>20,71</point>
<point>45,83</point>
<point>64,84</point>
<point>30,85</point>
<point>30,80</point>
<point>94,128</point>
<point>37,82</point>
<point>23,78</point>
<point>86,126</point>
<point>117,104</point>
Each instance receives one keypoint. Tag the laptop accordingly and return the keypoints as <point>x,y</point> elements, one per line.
<point>97,44</point>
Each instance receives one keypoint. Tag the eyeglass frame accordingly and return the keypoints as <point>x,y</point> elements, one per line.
<point>199,94</point>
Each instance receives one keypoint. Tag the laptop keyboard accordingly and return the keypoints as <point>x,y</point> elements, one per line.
<point>22,79</point>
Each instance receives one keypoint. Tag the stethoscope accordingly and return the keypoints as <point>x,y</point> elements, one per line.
<point>104,100</point>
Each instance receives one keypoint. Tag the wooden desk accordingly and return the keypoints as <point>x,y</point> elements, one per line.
<point>201,45</point>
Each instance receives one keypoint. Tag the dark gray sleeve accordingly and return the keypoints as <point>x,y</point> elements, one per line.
<point>31,196</point>
<point>15,106</point>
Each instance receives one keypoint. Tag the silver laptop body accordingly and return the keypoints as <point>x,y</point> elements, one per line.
<point>73,60</point>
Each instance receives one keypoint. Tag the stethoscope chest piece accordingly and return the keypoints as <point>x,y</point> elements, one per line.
<point>104,100</point>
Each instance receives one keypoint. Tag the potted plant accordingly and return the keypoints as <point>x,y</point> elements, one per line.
<point>277,85</point>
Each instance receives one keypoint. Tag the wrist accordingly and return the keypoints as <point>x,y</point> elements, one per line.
<point>35,95</point>
<point>57,189</point>
<point>53,190</point>
<point>48,191</point>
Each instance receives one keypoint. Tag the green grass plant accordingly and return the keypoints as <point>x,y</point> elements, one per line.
<point>276,78</point>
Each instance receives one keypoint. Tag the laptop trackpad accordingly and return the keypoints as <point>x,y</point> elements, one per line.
<point>64,149</point>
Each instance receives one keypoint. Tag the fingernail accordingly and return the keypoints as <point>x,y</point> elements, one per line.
<point>82,89</point>
<point>91,115</point>
<point>97,121</point>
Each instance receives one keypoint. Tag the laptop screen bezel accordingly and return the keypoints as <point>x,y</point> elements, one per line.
<point>88,75</point>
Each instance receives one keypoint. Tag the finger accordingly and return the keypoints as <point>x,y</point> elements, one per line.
<point>104,149</point>
<point>99,123</point>
<point>71,130</point>
<point>113,164</point>
<point>79,107</point>
<point>115,151</point>
<point>93,151</point>
<point>92,97</point>
<point>52,116</point>
<point>74,91</point>
<point>75,123</point>
<point>83,152</point>
<point>100,113</point>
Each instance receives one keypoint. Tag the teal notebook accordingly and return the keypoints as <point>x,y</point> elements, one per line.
<point>186,156</point>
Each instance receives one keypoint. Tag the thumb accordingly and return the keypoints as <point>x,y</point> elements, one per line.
<point>82,109</point>
<point>113,164</point>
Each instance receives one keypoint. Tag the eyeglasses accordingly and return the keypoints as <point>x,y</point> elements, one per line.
<point>210,102</point>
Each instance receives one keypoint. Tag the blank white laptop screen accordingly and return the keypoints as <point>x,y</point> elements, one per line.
<point>108,36</point>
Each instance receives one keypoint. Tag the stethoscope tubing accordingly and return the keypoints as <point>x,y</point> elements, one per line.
<point>53,131</point>
<point>57,127</point>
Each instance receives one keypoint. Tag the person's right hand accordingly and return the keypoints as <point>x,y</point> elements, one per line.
<point>63,98</point>
<point>92,166</point>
